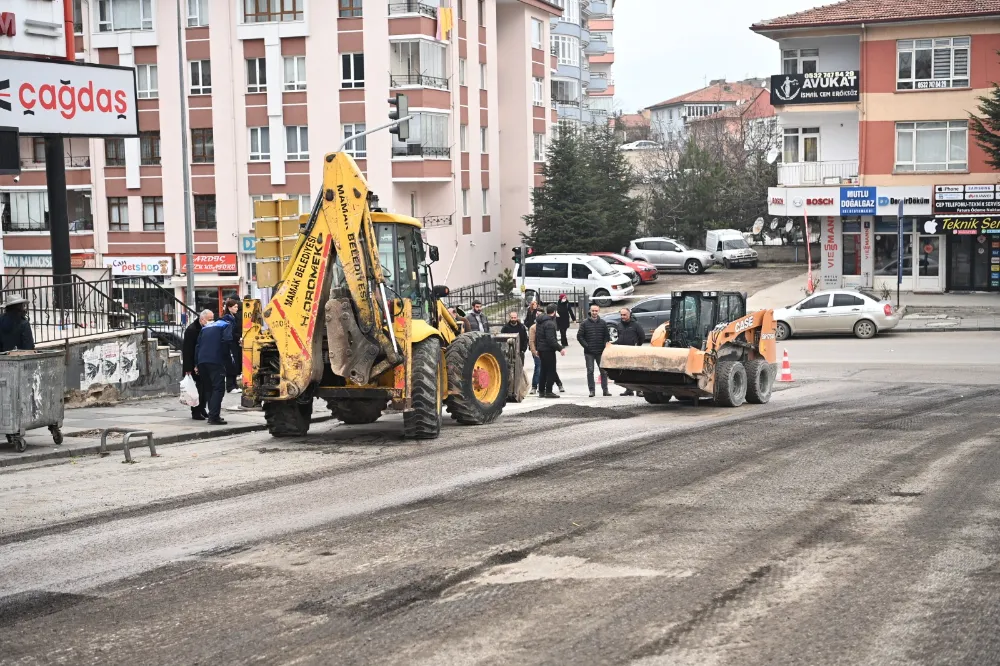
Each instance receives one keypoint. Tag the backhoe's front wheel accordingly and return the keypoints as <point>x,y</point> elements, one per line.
<point>423,419</point>
<point>478,376</point>
<point>356,412</point>
<point>288,418</point>
<point>730,384</point>
<point>760,381</point>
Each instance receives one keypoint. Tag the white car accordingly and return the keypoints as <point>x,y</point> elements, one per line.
<point>857,311</point>
<point>667,253</point>
<point>548,275</point>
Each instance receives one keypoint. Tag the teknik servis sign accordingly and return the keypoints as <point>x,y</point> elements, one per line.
<point>815,88</point>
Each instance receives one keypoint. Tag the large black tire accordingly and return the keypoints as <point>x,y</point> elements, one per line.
<point>865,329</point>
<point>656,398</point>
<point>288,418</point>
<point>783,331</point>
<point>760,381</point>
<point>693,267</point>
<point>602,297</point>
<point>730,384</point>
<point>462,402</point>
<point>356,412</point>
<point>423,419</point>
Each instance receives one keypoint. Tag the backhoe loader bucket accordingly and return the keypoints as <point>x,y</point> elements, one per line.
<point>655,369</point>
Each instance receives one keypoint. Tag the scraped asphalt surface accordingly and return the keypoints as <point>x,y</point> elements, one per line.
<point>854,520</point>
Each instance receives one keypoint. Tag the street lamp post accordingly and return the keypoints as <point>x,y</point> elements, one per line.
<point>185,161</point>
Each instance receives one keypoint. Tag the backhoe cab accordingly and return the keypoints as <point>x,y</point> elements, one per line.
<point>711,348</point>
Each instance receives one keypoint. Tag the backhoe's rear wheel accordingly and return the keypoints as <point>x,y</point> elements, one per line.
<point>478,369</point>
<point>288,418</point>
<point>423,420</point>
<point>356,412</point>
<point>656,398</point>
<point>760,381</point>
<point>730,384</point>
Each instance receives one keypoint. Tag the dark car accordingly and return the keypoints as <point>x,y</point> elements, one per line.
<point>650,312</point>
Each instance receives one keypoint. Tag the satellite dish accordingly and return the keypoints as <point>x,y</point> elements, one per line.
<point>772,156</point>
<point>758,225</point>
<point>788,226</point>
<point>774,225</point>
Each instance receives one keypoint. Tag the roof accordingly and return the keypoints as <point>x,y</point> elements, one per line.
<point>851,12</point>
<point>716,92</point>
<point>632,120</point>
<point>759,107</point>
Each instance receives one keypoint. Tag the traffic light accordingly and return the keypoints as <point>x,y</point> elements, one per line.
<point>517,254</point>
<point>399,108</point>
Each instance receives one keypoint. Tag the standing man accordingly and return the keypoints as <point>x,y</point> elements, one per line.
<point>515,327</point>
<point>188,353</point>
<point>566,313</point>
<point>15,331</point>
<point>477,319</point>
<point>547,342</point>
<point>211,352</point>
<point>535,358</point>
<point>593,335</point>
<point>629,334</point>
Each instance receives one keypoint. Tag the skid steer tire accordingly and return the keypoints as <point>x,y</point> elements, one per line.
<point>469,401</point>
<point>423,419</point>
<point>288,418</point>
<point>760,381</point>
<point>656,398</point>
<point>730,384</point>
<point>356,412</point>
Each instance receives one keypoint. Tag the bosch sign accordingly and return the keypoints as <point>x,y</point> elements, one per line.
<point>43,97</point>
<point>824,201</point>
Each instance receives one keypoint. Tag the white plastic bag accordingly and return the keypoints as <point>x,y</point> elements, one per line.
<point>189,392</point>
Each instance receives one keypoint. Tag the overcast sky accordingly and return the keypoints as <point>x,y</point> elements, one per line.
<point>665,48</point>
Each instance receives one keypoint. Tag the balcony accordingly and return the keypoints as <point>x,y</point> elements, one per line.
<point>28,211</point>
<point>419,150</point>
<point>838,172</point>
<point>420,80</point>
<point>597,7</point>
<point>598,82</point>
<point>413,7</point>
<point>598,45</point>
<point>436,221</point>
<point>72,162</point>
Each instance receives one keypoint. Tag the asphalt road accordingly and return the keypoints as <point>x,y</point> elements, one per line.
<point>851,521</point>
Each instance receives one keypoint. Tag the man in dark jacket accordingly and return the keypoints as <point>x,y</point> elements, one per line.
<point>547,343</point>
<point>593,335</point>
<point>15,331</point>
<point>477,318</point>
<point>188,352</point>
<point>211,354</point>
<point>515,327</point>
<point>629,334</point>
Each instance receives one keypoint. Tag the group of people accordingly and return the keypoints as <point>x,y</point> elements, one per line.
<point>212,356</point>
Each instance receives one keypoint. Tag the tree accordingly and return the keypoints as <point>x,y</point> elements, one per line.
<point>986,128</point>
<point>505,281</point>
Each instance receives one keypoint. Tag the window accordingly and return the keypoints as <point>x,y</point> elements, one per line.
<point>152,213</point>
<point>204,211</point>
<point>202,146</point>
<point>149,148</point>
<point>801,145</point>
<point>799,61</point>
<point>25,211</point>
<point>297,143</point>
<point>429,137</point>
<point>482,13</point>
<point>816,302</point>
<point>539,147</point>
<point>932,146</point>
<point>417,62</point>
<point>463,138</point>
<point>923,64</point>
<point>484,137</point>
<point>256,75</point>
<point>349,8</point>
<point>38,150</point>
<point>201,77</point>
<point>295,73</point>
<point>546,270</point>
<point>465,203</point>
<point>846,301</point>
<point>580,272</point>
<point>537,33</point>
<point>114,152</point>
<point>147,86</point>
<point>482,76</point>
<point>851,257</point>
<point>887,253</point>
<point>115,15</point>
<point>486,201</point>
<point>266,11</point>
<point>260,144</point>
<point>197,13</point>
<point>461,71</point>
<point>567,50</point>
<point>460,9</point>
<point>77,17</point>
<point>305,202</point>
<point>353,68</point>
<point>566,92</point>
<point>538,91</point>
<point>117,213</point>
<point>358,149</point>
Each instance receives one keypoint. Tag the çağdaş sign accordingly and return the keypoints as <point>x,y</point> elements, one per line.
<point>815,88</point>
<point>70,99</point>
<point>857,200</point>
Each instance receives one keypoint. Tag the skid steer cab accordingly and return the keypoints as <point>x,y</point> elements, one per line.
<point>710,348</point>
<point>357,321</point>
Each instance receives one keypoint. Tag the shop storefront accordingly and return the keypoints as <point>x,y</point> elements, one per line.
<point>135,286</point>
<point>969,216</point>
<point>215,279</point>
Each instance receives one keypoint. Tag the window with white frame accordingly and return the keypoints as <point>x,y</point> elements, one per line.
<point>486,201</point>
<point>352,67</point>
<point>539,147</point>
<point>465,203</point>
<point>147,85</point>
<point>358,149</point>
<point>567,50</point>
<point>115,15</point>
<point>418,63</point>
<point>197,13</point>
<point>463,138</point>
<point>260,144</point>
<point>461,71</point>
<point>484,139</point>
<point>537,33</point>
<point>295,73</point>
<point>297,142</point>
<point>305,202</point>
<point>932,146</point>
<point>571,12</point>
<point>482,76</point>
<point>566,91</point>
<point>267,11</point>
<point>923,64</point>
<point>256,75</point>
<point>799,61</point>
<point>538,91</point>
<point>429,137</point>
<point>201,77</point>
<point>801,145</point>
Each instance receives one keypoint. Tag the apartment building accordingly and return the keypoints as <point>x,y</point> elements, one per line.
<point>873,100</point>
<point>583,53</point>
<point>272,85</point>
<point>669,119</point>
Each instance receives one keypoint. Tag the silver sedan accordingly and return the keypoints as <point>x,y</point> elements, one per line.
<point>856,311</point>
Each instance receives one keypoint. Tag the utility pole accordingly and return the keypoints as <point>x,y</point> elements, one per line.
<point>185,161</point>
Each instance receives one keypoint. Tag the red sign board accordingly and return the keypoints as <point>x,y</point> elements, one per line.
<point>211,263</point>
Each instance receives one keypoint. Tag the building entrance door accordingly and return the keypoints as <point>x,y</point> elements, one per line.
<point>929,275</point>
<point>969,260</point>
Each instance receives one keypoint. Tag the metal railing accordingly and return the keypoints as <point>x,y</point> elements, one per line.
<point>400,80</point>
<point>71,161</point>
<point>432,221</point>
<point>413,7</point>
<point>419,150</point>
<point>498,304</point>
<point>817,173</point>
<point>12,226</point>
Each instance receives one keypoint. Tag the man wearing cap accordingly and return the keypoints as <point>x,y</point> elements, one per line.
<point>15,331</point>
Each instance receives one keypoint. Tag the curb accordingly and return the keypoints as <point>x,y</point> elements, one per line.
<point>946,329</point>
<point>139,444</point>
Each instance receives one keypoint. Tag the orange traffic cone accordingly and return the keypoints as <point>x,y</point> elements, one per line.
<point>786,369</point>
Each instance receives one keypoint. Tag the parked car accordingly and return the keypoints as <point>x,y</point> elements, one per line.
<point>647,272</point>
<point>730,248</point>
<point>548,275</point>
<point>837,311</point>
<point>666,253</point>
<point>640,145</point>
<point>649,312</point>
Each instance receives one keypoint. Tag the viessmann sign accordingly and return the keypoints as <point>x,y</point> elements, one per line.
<point>45,97</point>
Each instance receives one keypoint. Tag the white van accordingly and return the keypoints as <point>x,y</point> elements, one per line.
<point>548,275</point>
<point>730,248</point>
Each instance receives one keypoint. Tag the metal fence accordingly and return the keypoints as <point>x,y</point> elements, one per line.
<point>498,304</point>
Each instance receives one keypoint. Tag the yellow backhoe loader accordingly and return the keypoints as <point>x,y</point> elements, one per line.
<point>356,320</point>
<point>710,348</point>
